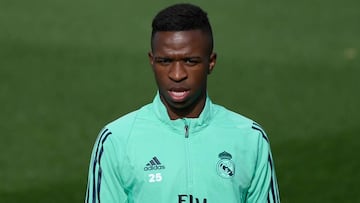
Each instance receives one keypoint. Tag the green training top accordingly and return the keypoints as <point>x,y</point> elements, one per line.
<point>144,157</point>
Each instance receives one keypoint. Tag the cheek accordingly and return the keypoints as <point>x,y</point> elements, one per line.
<point>159,76</point>
<point>200,78</point>
<point>156,71</point>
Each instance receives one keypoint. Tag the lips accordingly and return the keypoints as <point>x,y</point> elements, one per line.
<point>178,95</point>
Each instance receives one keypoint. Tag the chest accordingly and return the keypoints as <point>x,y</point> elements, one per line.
<point>201,163</point>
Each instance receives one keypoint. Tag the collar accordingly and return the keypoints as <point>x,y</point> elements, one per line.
<point>184,126</point>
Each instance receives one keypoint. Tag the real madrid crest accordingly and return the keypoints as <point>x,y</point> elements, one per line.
<point>225,166</point>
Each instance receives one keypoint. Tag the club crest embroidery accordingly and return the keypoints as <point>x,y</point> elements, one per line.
<point>225,166</point>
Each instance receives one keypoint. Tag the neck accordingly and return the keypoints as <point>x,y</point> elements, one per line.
<point>192,111</point>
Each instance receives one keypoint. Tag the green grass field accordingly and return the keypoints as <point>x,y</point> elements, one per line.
<point>69,67</point>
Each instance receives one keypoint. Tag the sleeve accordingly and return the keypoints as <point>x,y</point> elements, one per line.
<point>104,182</point>
<point>264,187</point>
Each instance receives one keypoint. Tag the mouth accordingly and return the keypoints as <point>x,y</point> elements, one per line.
<point>178,95</point>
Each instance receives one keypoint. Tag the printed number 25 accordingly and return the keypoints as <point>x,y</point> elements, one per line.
<point>155,177</point>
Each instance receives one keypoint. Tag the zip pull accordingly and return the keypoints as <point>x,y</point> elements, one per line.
<point>186,130</point>
<point>186,127</point>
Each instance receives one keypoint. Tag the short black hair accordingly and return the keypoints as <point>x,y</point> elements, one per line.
<point>182,17</point>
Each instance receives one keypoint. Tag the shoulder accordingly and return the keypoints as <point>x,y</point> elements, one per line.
<point>121,127</point>
<point>230,119</point>
<point>224,116</point>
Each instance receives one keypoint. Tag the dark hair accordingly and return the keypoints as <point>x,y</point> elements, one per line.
<point>182,17</point>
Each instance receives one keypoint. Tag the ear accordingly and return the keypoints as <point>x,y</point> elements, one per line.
<point>212,62</point>
<point>151,58</point>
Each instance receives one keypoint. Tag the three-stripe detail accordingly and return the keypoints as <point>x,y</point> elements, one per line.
<point>273,196</point>
<point>96,169</point>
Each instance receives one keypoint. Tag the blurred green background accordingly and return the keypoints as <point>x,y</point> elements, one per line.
<point>69,67</point>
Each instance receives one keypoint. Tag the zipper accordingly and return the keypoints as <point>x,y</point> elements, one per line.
<point>189,178</point>
<point>186,131</point>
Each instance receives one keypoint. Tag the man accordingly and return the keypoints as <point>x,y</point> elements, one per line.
<point>182,147</point>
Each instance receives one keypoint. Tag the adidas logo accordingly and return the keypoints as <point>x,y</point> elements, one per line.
<point>154,164</point>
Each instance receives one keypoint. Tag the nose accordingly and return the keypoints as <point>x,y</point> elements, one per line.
<point>177,72</point>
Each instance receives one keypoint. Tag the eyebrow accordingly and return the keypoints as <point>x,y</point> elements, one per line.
<point>182,58</point>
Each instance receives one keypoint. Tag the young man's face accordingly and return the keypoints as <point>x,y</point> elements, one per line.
<point>181,62</point>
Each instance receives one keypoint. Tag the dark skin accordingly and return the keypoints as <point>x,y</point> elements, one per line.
<point>182,61</point>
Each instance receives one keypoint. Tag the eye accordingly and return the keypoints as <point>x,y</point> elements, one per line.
<point>163,61</point>
<point>191,61</point>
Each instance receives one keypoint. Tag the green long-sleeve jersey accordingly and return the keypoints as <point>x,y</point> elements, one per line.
<point>144,157</point>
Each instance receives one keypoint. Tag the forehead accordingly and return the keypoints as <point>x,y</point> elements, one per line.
<point>196,40</point>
